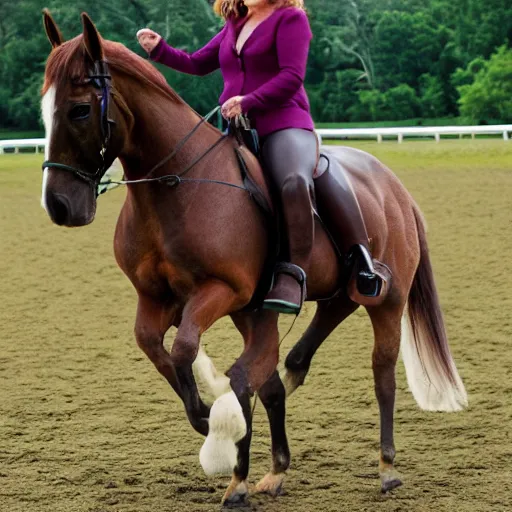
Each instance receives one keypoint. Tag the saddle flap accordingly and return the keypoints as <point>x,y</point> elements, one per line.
<point>255,179</point>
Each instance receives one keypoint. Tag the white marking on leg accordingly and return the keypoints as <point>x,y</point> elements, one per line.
<point>207,375</point>
<point>227,426</point>
<point>48,109</point>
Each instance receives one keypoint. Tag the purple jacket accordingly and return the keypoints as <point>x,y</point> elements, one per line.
<point>269,72</point>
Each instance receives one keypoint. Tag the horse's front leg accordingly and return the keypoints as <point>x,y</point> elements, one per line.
<point>154,318</point>
<point>211,301</point>
<point>228,443</point>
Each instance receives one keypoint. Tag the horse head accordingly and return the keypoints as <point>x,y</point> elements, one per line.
<point>87,123</point>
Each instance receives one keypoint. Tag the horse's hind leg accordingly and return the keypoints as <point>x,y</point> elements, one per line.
<point>273,396</point>
<point>328,316</point>
<point>386,321</point>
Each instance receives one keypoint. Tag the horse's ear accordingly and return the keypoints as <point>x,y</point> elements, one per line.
<point>52,30</point>
<point>92,39</point>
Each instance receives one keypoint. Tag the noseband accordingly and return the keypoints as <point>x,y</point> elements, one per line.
<point>100,79</point>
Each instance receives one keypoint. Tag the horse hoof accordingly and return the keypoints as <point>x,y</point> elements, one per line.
<point>271,484</point>
<point>236,501</point>
<point>237,494</point>
<point>388,483</point>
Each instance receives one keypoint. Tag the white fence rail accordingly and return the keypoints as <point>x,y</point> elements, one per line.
<point>340,133</point>
<point>16,144</point>
<point>420,131</point>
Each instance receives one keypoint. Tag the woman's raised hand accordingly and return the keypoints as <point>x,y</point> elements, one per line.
<point>148,39</point>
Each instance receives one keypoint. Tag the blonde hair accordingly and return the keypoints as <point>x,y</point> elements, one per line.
<point>237,8</point>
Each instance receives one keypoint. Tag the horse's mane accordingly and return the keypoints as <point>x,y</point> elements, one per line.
<point>68,61</point>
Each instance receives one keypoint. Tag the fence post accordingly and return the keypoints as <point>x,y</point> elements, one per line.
<point>505,135</point>
<point>400,138</point>
<point>379,138</point>
<point>437,136</point>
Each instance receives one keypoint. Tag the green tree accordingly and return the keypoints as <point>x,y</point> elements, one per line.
<point>407,44</point>
<point>490,95</point>
<point>361,54</point>
<point>432,100</point>
<point>401,102</point>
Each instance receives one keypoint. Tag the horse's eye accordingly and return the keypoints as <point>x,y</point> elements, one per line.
<point>80,111</point>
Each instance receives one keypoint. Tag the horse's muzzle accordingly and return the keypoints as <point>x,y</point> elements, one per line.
<point>61,211</point>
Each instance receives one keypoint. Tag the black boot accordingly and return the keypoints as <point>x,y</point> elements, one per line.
<point>339,210</point>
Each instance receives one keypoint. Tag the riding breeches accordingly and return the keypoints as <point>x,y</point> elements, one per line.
<point>290,158</point>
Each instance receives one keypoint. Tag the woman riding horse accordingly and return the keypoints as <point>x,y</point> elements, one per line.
<point>262,52</point>
<point>101,102</point>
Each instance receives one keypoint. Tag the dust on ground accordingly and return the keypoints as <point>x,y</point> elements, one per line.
<point>87,424</point>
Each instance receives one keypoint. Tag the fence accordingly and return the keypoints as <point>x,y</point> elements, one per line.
<point>17,144</point>
<point>423,131</point>
<point>341,133</point>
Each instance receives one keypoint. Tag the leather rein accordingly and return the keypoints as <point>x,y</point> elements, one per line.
<point>102,80</point>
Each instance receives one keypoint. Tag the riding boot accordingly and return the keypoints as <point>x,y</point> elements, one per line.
<point>340,212</point>
<point>289,291</point>
<point>290,157</point>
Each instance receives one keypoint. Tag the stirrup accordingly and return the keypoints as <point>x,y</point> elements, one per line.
<point>369,283</point>
<point>283,306</point>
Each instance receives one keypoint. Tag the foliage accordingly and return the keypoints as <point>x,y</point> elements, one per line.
<point>397,103</point>
<point>490,94</point>
<point>433,99</point>
<point>386,60</point>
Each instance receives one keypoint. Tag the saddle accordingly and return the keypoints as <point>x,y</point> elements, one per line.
<point>247,153</point>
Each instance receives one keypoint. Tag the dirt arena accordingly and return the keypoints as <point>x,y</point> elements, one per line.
<point>87,424</point>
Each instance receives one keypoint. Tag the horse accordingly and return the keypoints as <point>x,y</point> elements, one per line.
<point>195,250</point>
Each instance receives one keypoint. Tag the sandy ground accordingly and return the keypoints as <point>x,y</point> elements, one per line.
<point>87,424</point>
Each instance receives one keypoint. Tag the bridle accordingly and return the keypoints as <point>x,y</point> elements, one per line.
<point>101,79</point>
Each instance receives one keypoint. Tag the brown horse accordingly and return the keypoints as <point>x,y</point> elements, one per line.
<point>195,252</point>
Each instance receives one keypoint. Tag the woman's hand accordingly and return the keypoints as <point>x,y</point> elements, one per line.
<point>232,107</point>
<point>148,39</point>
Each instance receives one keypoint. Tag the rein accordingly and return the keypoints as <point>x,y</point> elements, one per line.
<point>101,79</point>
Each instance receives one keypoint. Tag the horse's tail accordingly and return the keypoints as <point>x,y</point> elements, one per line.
<point>431,373</point>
